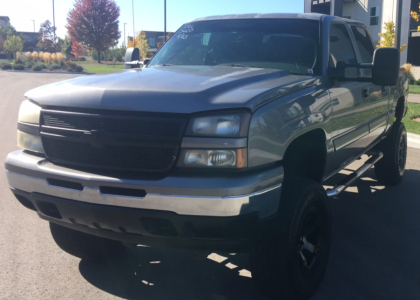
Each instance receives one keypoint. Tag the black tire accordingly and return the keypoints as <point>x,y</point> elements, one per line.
<point>85,246</point>
<point>304,230</point>
<point>390,169</point>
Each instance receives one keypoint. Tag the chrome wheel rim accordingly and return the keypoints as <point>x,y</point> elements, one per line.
<point>310,241</point>
<point>402,150</point>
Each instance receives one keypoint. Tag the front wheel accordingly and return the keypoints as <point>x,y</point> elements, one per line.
<point>292,263</point>
<point>83,245</point>
<point>390,169</point>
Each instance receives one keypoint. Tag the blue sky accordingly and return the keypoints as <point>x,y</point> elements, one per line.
<point>148,15</point>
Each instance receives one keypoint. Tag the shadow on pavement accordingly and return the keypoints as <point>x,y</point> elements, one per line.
<point>374,255</point>
<point>155,273</point>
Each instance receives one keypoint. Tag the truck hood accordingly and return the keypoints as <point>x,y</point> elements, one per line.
<point>171,89</point>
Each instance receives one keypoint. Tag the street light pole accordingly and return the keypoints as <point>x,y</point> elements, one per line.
<point>54,19</point>
<point>134,32</point>
<point>165,23</point>
<point>125,35</point>
<point>34,24</point>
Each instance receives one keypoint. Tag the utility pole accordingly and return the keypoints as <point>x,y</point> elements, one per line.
<point>134,32</point>
<point>165,22</point>
<point>34,24</point>
<point>125,35</point>
<point>54,20</point>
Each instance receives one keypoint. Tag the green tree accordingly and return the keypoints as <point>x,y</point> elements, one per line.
<point>66,48</point>
<point>13,44</point>
<point>388,37</point>
<point>7,30</point>
<point>1,43</point>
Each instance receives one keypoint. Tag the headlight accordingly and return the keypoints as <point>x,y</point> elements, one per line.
<point>29,142</point>
<point>29,112</point>
<point>236,158</point>
<point>223,125</point>
<point>28,136</point>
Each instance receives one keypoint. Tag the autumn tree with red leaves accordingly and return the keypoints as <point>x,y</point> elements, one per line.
<point>94,23</point>
<point>76,48</point>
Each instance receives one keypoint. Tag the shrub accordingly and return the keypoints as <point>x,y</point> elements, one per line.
<point>55,67</point>
<point>78,68</point>
<point>34,56</point>
<point>36,68</point>
<point>69,70</point>
<point>6,67</point>
<point>29,64</point>
<point>47,57</point>
<point>59,57</point>
<point>411,79</point>
<point>18,67</point>
<point>41,65</point>
<point>28,56</point>
<point>53,58</point>
<point>17,57</point>
<point>407,68</point>
<point>70,65</point>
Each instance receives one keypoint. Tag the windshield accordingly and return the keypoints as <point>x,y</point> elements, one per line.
<point>286,44</point>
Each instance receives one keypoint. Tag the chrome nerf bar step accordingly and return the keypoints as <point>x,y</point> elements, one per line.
<point>346,182</point>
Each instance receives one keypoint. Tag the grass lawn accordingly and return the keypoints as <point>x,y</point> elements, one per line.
<point>413,111</point>
<point>414,89</point>
<point>97,68</point>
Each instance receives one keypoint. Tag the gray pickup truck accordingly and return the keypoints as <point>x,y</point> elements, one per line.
<point>221,143</point>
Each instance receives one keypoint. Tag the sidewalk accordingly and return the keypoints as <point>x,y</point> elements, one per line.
<point>414,98</point>
<point>413,140</point>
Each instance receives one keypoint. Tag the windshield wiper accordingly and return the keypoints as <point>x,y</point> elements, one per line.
<point>240,66</point>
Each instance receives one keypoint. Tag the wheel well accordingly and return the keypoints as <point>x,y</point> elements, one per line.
<point>306,156</point>
<point>399,110</point>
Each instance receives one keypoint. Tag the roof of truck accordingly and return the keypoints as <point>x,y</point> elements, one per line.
<point>307,16</point>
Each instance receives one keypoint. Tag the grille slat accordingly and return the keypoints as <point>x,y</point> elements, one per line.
<point>161,136</point>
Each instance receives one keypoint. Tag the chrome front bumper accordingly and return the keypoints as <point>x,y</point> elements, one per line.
<point>234,195</point>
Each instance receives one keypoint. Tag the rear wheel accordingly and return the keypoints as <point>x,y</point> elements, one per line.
<point>83,245</point>
<point>292,263</point>
<point>390,169</point>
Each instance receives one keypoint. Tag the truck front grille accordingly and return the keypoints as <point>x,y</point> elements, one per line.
<point>116,142</point>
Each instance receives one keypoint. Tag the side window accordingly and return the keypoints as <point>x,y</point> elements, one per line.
<point>364,43</point>
<point>341,49</point>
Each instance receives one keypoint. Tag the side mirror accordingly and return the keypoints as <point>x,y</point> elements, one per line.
<point>386,66</point>
<point>132,58</point>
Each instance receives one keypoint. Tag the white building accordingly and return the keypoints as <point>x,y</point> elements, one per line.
<point>374,13</point>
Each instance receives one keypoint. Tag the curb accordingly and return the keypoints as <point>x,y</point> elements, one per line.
<point>413,140</point>
<point>47,72</point>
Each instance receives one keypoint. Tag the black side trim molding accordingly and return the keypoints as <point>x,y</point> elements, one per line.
<point>33,129</point>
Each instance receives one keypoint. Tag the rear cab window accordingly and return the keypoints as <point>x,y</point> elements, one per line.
<point>341,49</point>
<point>365,46</point>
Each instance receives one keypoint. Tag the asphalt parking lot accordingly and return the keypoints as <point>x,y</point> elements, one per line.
<point>374,255</point>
